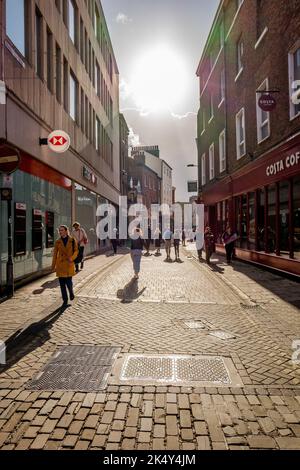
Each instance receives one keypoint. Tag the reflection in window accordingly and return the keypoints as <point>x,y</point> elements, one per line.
<point>271,241</point>
<point>261,219</point>
<point>284,218</point>
<point>244,222</point>
<point>252,224</point>
<point>297,217</point>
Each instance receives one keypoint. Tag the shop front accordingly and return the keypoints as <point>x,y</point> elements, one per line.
<point>262,203</point>
<point>41,202</point>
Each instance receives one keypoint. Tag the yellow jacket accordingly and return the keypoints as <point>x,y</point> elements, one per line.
<point>62,255</point>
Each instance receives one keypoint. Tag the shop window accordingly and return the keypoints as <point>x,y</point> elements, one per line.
<point>37,230</point>
<point>261,219</point>
<point>271,228</point>
<point>252,223</point>
<point>238,212</point>
<point>20,229</point>
<point>244,234</point>
<point>49,216</point>
<point>296,216</point>
<point>284,218</point>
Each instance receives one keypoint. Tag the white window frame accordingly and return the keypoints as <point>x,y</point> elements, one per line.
<point>203,169</point>
<point>211,162</point>
<point>73,98</point>
<point>260,124</point>
<point>222,151</point>
<point>222,34</point>
<point>239,56</point>
<point>72,24</point>
<point>222,87</point>
<point>240,142</point>
<point>211,108</point>
<point>293,114</point>
<point>203,122</point>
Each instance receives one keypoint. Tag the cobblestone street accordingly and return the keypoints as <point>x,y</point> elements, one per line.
<point>245,315</point>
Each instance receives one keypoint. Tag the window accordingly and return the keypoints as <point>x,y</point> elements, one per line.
<point>222,86</point>
<point>97,79</point>
<point>49,60</point>
<point>212,162</point>
<point>203,170</point>
<point>284,218</point>
<point>97,134</point>
<point>58,73</point>
<point>296,216</point>
<point>82,111</point>
<point>294,73</point>
<point>37,230</point>
<point>222,35</point>
<point>20,229</point>
<point>222,151</point>
<point>211,107</point>
<point>271,228</point>
<point>66,85</point>
<point>15,23</point>
<point>261,198</point>
<point>73,97</point>
<point>240,134</point>
<point>49,219</point>
<point>263,117</point>
<point>82,47</point>
<point>97,25</point>
<point>72,21</point>
<point>203,121</point>
<point>38,43</point>
<point>239,55</point>
<point>252,222</point>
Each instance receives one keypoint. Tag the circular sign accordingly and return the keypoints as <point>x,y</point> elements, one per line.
<point>9,159</point>
<point>59,141</point>
<point>267,102</point>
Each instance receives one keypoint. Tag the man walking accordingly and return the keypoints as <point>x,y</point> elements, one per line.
<point>168,235</point>
<point>209,244</point>
<point>81,238</point>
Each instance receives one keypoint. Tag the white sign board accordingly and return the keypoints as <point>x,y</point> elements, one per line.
<point>59,141</point>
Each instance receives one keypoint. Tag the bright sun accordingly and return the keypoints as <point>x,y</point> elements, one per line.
<point>159,80</point>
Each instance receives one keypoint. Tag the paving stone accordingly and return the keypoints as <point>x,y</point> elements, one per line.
<point>288,443</point>
<point>261,442</point>
<point>39,442</point>
<point>203,443</point>
<point>187,434</point>
<point>99,441</point>
<point>171,425</point>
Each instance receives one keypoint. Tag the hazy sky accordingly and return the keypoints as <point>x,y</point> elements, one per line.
<point>158,45</point>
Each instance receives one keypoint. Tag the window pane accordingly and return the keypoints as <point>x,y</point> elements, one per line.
<point>72,98</point>
<point>15,23</point>
<point>271,219</point>
<point>296,216</point>
<point>243,234</point>
<point>261,219</point>
<point>252,222</point>
<point>284,218</point>
<point>72,21</point>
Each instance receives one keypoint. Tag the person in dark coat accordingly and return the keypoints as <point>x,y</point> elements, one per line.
<point>229,237</point>
<point>209,242</point>
<point>137,245</point>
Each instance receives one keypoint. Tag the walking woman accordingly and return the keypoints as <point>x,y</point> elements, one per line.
<point>229,237</point>
<point>64,255</point>
<point>209,244</point>
<point>137,245</point>
<point>176,242</point>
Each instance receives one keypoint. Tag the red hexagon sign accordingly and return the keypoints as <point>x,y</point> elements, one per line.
<point>59,141</point>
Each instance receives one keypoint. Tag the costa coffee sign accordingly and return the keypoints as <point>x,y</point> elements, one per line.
<point>283,164</point>
<point>267,102</point>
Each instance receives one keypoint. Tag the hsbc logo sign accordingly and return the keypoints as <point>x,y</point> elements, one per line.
<point>59,141</point>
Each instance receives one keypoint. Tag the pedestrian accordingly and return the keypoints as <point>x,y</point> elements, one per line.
<point>209,243</point>
<point>167,236</point>
<point>114,241</point>
<point>229,237</point>
<point>183,238</point>
<point>176,241</point>
<point>199,243</point>
<point>148,241</point>
<point>157,238</point>
<point>81,237</point>
<point>137,244</point>
<point>64,255</point>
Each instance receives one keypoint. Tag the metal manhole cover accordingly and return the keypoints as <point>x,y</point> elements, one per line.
<point>202,369</point>
<point>152,367</point>
<point>194,325</point>
<point>76,368</point>
<point>222,334</point>
<point>144,369</point>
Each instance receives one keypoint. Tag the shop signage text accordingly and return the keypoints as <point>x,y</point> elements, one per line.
<point>283,164</point>
<point>267,102</point>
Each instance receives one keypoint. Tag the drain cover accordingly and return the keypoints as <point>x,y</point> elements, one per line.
<point>78,368</point>
<point>195,325</point>
<point>222,334</point>
<point>143,369</point>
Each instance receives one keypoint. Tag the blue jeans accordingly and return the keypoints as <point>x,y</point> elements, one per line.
<point>136,256</point>
<point>66,283</point>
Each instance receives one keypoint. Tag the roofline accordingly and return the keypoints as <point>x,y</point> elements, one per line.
<point>220,7</point>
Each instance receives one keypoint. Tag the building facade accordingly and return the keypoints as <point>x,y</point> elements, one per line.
<point>57,71</point>
<point>144,182</point>
<point>124,133</point>
<point>161,168</point>
<point>249,150</point>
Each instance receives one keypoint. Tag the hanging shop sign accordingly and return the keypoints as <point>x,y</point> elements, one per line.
<point>267,102</point>
<point>57,141</point>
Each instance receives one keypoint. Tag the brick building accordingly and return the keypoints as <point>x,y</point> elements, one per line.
<point>57,71</point>
<point>144,181</point>
<point>249,158</point>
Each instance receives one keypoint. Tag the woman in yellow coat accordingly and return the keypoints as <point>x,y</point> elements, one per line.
<point>64,255</point>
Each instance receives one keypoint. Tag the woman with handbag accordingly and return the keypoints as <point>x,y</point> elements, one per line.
<point>64,255</point>
<point>81,237</point>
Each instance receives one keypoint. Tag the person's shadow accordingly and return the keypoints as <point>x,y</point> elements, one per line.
<point>47,285</point>
<point>130,292</point>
